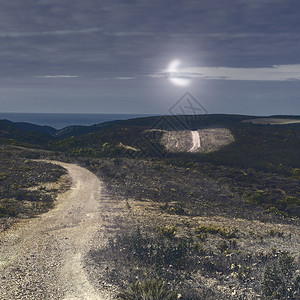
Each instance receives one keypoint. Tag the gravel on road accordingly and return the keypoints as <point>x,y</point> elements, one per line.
<point>42,258</point>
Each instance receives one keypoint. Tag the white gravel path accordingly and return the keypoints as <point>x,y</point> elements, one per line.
<point>196,141</point>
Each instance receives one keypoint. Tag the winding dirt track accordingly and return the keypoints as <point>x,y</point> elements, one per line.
<point>41,258</point>
<point>196,141</point>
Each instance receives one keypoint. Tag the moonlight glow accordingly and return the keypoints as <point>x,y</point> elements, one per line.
<point>174,75</point>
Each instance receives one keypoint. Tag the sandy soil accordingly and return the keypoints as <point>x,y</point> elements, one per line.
<point>42,258</point>
<point>273,121</point>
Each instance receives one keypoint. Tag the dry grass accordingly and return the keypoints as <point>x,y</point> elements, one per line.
<point>222,243</point>
<point>273,121</point>
<point>224,266</point>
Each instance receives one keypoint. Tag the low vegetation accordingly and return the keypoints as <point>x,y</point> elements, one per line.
<point>221,225</point>
<point>148,290</point>
<point>198,268</point>
<point>280,278</point>
<point>23,192</point>
<point>208,260</point>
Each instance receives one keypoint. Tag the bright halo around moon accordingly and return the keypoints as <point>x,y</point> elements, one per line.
<point>174,74</point>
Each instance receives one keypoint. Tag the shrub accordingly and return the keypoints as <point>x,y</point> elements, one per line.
<point>223,246</point>
<point>274,232</point>
<point>243,272</point>
<point>202,236</point>
<point>292,200</point>
<point>276,211</point>
<point>155,252</point>
<point>167,231</point>
<point>288,200</point>
<point>259,197</point>
<point>280,279</point>
<point>296,173</point>
<point>7,208</point>
<point>148,290</point>
<point>215,229</point>
<point>233,244</point>
<point>176,208</point>
<point>3,176</point>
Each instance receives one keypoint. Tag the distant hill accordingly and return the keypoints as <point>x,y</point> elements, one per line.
<point>169,122</point>
<point>35,128</point>
<point>255,145</point>
<point>29,127</point>
<point>76,130</point>
<point>25,133</point>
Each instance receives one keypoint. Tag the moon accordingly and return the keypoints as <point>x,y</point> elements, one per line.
<point>174,74</point>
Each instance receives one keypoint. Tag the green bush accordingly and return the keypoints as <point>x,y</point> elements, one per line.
<point>276,211</point>
<point>259,197</point>
<point>288,200</point>
<point>167,231</point>
<point>202,236</point>
<point>7,208</point>
<point>148,290</point>
<point>215,229</point>
<point>177,208</point>
<point>3,176</point>
<point>292,200</point>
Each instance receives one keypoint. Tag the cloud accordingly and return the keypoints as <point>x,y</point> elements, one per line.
<point>125,78</point>
<point>123,38</point>
<point>45,33</point>
<point>58,76</point>
<point>274,73</point>
<point>77,31</point>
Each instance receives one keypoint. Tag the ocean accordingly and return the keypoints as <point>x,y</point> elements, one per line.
<point>62,120</point>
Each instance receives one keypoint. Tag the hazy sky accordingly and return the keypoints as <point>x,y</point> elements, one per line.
<point>94,56</point>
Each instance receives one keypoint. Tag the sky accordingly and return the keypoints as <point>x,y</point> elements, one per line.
<point>141,56</point>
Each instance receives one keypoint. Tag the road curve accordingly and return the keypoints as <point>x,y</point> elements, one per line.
<point>41,258</point>
<point>196,141</point>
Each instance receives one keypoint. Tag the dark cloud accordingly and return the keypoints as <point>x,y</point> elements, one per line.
<point>95,40</point>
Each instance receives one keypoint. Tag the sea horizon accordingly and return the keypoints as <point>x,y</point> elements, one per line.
<point>61,120</point>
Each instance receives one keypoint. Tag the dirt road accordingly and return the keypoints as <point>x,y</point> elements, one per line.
<point>196,141</point>
<point>201,140</point>
<point>41,258</point>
